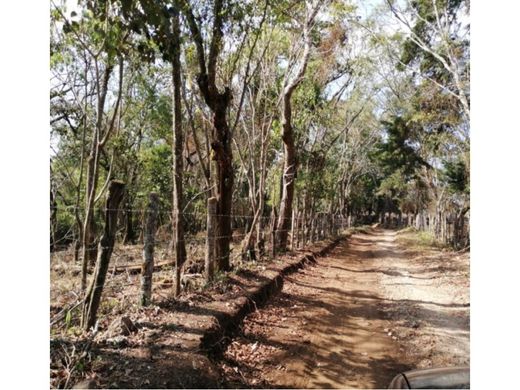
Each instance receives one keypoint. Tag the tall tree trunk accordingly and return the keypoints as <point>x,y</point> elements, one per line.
<point>289,174</point>
<point>290,158</point>
<point>178,141</point>
<point>223,157</point>
<point>130,217</point>
<point>129,237</point>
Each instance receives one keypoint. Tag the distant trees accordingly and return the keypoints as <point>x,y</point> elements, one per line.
<point>438,39</point>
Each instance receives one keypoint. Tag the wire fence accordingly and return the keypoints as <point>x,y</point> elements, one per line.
<point>194,222</point>
<point>123,277</point>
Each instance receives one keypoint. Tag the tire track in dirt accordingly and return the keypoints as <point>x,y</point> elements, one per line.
<point>337,324</point>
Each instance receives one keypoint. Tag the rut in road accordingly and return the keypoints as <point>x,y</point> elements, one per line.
<point>354,319</point>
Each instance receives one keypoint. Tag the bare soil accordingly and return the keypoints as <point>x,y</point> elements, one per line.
<point>378,304</point>
<point>171,341</point>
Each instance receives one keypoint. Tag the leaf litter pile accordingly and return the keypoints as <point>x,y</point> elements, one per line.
<point>252,354</point>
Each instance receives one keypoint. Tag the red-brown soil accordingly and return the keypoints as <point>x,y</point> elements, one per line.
<point>372,308</point>
<point>376,305</point>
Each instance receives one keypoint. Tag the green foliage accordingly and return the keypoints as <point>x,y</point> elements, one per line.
<point>398,151</point>
<point>156,170</point>
<point>456,175</point>
<point>368,137</point>
<point>394,185</point>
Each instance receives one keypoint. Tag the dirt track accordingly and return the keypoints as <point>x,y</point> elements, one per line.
<point>370,309</point>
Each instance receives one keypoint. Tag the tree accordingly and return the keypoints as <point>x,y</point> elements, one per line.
<point>218,102</point>
<point>178,194</point>
<point>437,38</point>
<point>99,35</point>
<point>292,80</point>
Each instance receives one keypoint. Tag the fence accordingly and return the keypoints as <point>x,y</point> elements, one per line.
<point>449,228</point>
<point>123,281</point>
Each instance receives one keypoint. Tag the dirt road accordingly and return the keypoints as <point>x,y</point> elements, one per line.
<point>370,309</point>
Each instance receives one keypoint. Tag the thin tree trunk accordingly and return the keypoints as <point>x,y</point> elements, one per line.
<point>79,223</point>
<point>53,220</point>
<point>89,225</point>
<point>178,199</point>
<point>273,232</point>
<point>129,237</point>
<point>293,222</point>
<point>290,158</point>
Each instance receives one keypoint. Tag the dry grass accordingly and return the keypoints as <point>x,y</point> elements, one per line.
<point>418,239</point>
<point>121,290</point>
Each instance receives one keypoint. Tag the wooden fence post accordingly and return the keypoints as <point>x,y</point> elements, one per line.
<point>312,222</point>
<point>273,233</point>
<point>296,231</point>
<point>293,230</point>
<point>318,227</point>
<point>150,227</point>
<point>209,263</point>
<point>106,244</point>
<point>299,230</point>
<point>314,228</point>
<point>303,229</point>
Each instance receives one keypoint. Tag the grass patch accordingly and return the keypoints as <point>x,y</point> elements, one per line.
<point>418,239</point>
<point>409,229</point>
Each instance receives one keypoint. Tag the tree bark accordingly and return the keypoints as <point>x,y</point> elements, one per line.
<point>289,174</point>
<point>223,157</point>
<point>209,264</point>
<point>106,244</point>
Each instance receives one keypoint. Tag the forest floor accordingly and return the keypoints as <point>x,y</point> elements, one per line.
<point>378,304</point>
<point>172,342</point>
